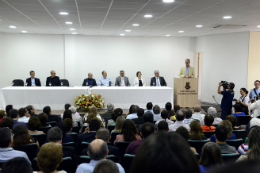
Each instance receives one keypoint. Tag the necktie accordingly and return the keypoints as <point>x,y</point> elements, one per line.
<point>157,81</point>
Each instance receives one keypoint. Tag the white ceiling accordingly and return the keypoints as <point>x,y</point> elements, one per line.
<point>113,17</point>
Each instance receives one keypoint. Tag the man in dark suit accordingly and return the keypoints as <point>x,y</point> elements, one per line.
<point>53,80</point>
<point>31,110</point>
<point>32,81</point>
<point>157,80</point>
<point>47,110</point>
<point>140,119</point>
<point>89,81</point>
<point>105,136</point>
<point>89,134</point>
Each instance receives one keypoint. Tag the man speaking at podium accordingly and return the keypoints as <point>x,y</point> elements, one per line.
<point>187,71</point>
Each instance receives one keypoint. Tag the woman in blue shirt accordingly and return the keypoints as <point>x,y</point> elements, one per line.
<point>228,125</point>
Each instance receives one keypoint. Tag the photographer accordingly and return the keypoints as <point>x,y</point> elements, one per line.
<point>255,92</point>
<point>226,103</point>
<point>244,100</point>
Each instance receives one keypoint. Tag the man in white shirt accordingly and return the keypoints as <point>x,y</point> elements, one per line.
<point>156,113</point>
<point>255,107</point>
<point>149,107</point>
<point>197,115</point>
<point>134,113</point>
<point>24,115</point>
<point>76,117</point>
<point>97,151</point>
<point>122,80</point>
<point>157,80</point>
<point>180,115</point>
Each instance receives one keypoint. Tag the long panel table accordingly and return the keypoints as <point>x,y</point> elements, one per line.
<point>57,97</point>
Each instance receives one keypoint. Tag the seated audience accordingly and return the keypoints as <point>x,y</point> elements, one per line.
<point>243,148</point>
<point>164,153</point>
<point>185,134</point>
<point>228,125</point>
<point>129,132</point>
<point>119,124</point>
<point>165,117</point>
<point>134,113</point>
<point>156,113</point>
<point>221,135</point>
<point>67,106</point>
<point>147,130</point>
<point>92,110</point>
<point>65,138</point>
<point>163,126</point>
<point>188,119</point>
<point>255,108</point>
<point>2,115</point>
<point>107,114</point>
<point>47,111</point>
<point>75,117</point>
<point>253,152</point>
<point>176,108</point>
<point>104,135</point>
<point>92,116</point>
<point>17,165</point>
<point>210,157</point>
<point>198,115</point>
<point>238,110</point>
<point>148,118</point>
<point>180,115</point>
<point>213,111</point>
<point>130,111</point>
<point>106,166</point>
<point>68,114</point>
<point>208,120</point>
<point>69,125</point>
<point>6,150</point>
<point>149,107</point>
<point>117,112</point>
<point>31,110</point>
<point>14,115</point>
<point>233,120</point>
<point>24,116</point>
<point>168,107</point>
<point>97,151</point>
<point>140,119</point>
<point>43,119</point>
<point>34,124</point>
<point>7,122</point>
<point>8,108</point>
<point>49,158</point>
<point>22,137</point>
<point>196,132</point>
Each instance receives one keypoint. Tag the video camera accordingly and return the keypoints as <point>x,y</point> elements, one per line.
<point>224,84</point>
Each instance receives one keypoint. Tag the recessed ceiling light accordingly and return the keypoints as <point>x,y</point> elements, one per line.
<point>24,31</point>
<point>167,35</point>
<point>198,26</point>
<point>64,13</point>
<point>12,26</point>
<point>258,26</point>
<point>122,34</point>
<point>135,24</point>
<point>148,16</point>
<point>74,33</point>
<point>227,17</point>
<point>127,30</point>
<point>72,29</point>
<point>168,0</point>
<point>181,31</point>
<point>69,23</point>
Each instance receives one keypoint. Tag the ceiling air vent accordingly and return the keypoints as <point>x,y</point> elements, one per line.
<point>228,26</point>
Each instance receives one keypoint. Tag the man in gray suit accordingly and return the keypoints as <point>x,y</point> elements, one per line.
<point>122,80</point>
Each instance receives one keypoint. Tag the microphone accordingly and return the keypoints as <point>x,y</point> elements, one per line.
<point>215,99</point>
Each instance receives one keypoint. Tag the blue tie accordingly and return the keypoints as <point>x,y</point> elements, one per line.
<point>158,81</point>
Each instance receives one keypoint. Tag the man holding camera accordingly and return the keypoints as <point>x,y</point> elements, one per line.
<point>255,92</point>
<point>226,103</point>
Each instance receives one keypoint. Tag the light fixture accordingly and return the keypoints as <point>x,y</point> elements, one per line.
<point>167,35</point>
<point>148,16</point>
<point>227,17</point>
<point>64,13</point>
<point>258,26</point>
<point>135,24</point>
<point>24,31</point>
<point>74,33</point>
<point>181,31</point>
<point>168,0</point>
<point>72,29</point>
<point>199,26</point>
<point>12,26</point>
<point>68,23</point>
<point>122,34</point>
<point>127,30</point>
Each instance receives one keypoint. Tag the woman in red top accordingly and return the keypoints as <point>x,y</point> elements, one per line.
<point>208,121</point>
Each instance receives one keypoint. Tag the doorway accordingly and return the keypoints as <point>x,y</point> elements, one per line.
<point>198,71</point>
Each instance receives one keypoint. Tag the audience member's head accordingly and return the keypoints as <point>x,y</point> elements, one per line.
<point>67,114</point>
<point>212,111</point>
<point>92,110</point>
<point>94,125</point>
<point>23,112</point>
<point>43,117</point>
<point>69,124</point>
<point>183,132</point>
<point>165,152</point>
<point>176,108</point>
<point>2,114</point>
<point>149,106</point>
<point>116,113</point>
<point>119,123</point>
<point>196,131</point>
<point>135,109</point>
<point>73,109</point>
<point>197,108</point>
<point>163,126</point>
<point>17,165</point>
<point>221,133</point>
<point>47,110</point>
<point>211,155</point>
<point>34,123</point>
<point>67,106</point>
<point>156,109</point>
<point>7,122</point>
<point>30,109</point>
<point>97,149</point>
<point>180,115</point>
<point>140,112</point>
<point>228,125</point>
<point>208,120</point>
<point>55,134</point>
<point>165,114</point>
<point>6,138</point>
<point>238,107</point>
<point>21,136</point>
<point>148,117</point>
<point>110,107</point>
<point>147,129</point>
<point>168,106</point>
<point>8,108</point>
<point>254,144</point>
<point>14,114</point>
<point>129,131</point>
<point>103,134</point>
<point>106,166</point>
<point>49,157</point>
<point>188,113</point>
<point>131,109</point>
<point>232,119</point>
<point>62,126</point>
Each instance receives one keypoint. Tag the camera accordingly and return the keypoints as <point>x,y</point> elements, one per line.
<point>224,84</point>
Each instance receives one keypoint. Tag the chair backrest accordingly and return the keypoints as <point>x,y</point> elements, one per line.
<point>18,82</point>
<point>84,159</point>
<point>240,134</point>
<point>110,128</point>
<point>76,129</point>
<point>122,145</point>
<point>52,123</point>
<point>84,145</point>
<point>69,144</point>
<point>67,165</point>
<point>112,157</point>
<point>235,142</point>
<point>243,119</point>
<point>44,129</point>
<point>29,149</point>
<point>198,144</point>
<point>65,82</point>
<point>40,137</point>
<point>208,134</point>
<point>83,128</point>
<point>74,136</point>
<point>113,137</point>
<point>197,156</point>
<point>230,158</point>
<point>127,162</point>
<point>2,162</point>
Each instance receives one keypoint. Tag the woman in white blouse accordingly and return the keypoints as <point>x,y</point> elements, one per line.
<point>139,81</point>
<point>244,100</point>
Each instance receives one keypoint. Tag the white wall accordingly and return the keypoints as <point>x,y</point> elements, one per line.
<point>225,57</point>
<point>1,72</point>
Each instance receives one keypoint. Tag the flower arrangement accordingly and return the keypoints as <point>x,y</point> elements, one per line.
<point>84,101</point>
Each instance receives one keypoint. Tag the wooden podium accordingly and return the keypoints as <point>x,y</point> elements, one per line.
<point>185,92</point>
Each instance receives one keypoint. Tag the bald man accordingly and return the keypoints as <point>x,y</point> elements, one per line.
<point>53,80</point>
<point>198,115</point>
<point>187,71</point>
<point>89,81</point>
<point>97,151</point>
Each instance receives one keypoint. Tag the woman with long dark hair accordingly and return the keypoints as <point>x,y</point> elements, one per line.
<point>22,137</point>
